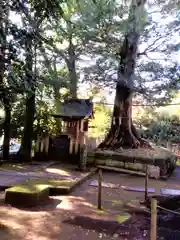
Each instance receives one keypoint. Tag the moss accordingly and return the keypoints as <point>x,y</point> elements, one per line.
<point>116,202</point>
<point>141,155</point>
<point>101,212</point>
<point>9,166</point>
<point>114,163</point>
<point>52,182</point>
<point>27,195</point>
<point>56,186</point>
<point>178,162</point>
<point>123,218</point>
<point>29,189</point>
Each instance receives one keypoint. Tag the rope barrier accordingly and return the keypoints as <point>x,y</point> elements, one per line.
<point>159,207</point>
<point>153,211</point>
<point>168,210</point>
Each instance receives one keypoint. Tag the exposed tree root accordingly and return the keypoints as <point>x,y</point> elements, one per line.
<point>123,134</point>
<point>123,138</point>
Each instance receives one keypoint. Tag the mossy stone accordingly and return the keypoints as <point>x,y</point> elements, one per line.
<point>27,195</point>
<point>56,186</point>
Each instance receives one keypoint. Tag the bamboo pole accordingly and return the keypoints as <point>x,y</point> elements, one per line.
<point>153,219</point>
<point>100,189</point>
<point>146,184</point>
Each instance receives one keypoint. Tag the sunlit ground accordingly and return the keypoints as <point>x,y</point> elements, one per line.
<point>178,162</point>
<point>58,171</point>
<point>12,166</point>
<point>46,222</point>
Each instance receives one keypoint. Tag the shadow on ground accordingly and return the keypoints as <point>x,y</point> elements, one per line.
<point>131,228</point>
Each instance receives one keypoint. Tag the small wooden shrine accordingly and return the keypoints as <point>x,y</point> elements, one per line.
<point>70,143</point>
<point>75,114</point>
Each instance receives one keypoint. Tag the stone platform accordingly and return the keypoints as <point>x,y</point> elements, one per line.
<point>61,179</point>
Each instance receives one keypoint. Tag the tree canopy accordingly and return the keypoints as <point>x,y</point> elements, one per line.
<point>48,46</point>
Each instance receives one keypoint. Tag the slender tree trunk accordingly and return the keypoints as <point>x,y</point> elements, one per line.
<point>4,91</point>
<point>72,69</point>
<point>57,105</point>
<point>7,127</point>
<point>26,145</point>
<point>122,132</point>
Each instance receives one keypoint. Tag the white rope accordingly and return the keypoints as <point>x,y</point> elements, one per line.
<point>168,210</point>
<point>165,209</point>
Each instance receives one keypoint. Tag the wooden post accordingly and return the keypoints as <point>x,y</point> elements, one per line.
<point>42,144</point>
<point>99,189</point>
<point>153,219</point>
<point>77,137</point>
<point>146,184</point>
<point>46,144</point>
<point>71,144</point>
<point>38,141</point>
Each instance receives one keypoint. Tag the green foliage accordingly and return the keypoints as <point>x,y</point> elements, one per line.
<point>43,120</point>
<point>101,121</point>
<point>160,124</point>
<point>62,33</point>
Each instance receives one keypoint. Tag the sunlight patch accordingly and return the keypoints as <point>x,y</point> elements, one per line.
<point>123,218</point>
<point>57,171</point>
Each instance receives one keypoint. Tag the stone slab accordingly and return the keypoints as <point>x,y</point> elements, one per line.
<point>138,189</point>
<point>45,175</point>
<point>9,181</point>
<point>27,195</point>
<point>170,192</point>
<point>33,174</point>
<point>9,172</point>
<point>94,183</point>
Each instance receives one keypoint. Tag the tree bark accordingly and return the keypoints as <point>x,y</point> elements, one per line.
<point>4,91</point>
<point>57,105</point>
<point>7,128</point>
<point>24,153</point>
<point>122,132</point>
<point>71,63</point>
<point>26,144</point>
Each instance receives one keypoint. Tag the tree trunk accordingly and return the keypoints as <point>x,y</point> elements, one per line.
<point>71,63</point>
<point>4,92</point>
<point>57,105</point>
<point>26,145</point>
<point>7,124</point>
<point>122,132</point>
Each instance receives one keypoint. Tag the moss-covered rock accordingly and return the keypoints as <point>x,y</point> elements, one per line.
<point>56,186</point>
<point>27,195</point>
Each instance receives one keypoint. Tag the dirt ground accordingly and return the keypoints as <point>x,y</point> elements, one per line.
<point>76,216</point>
